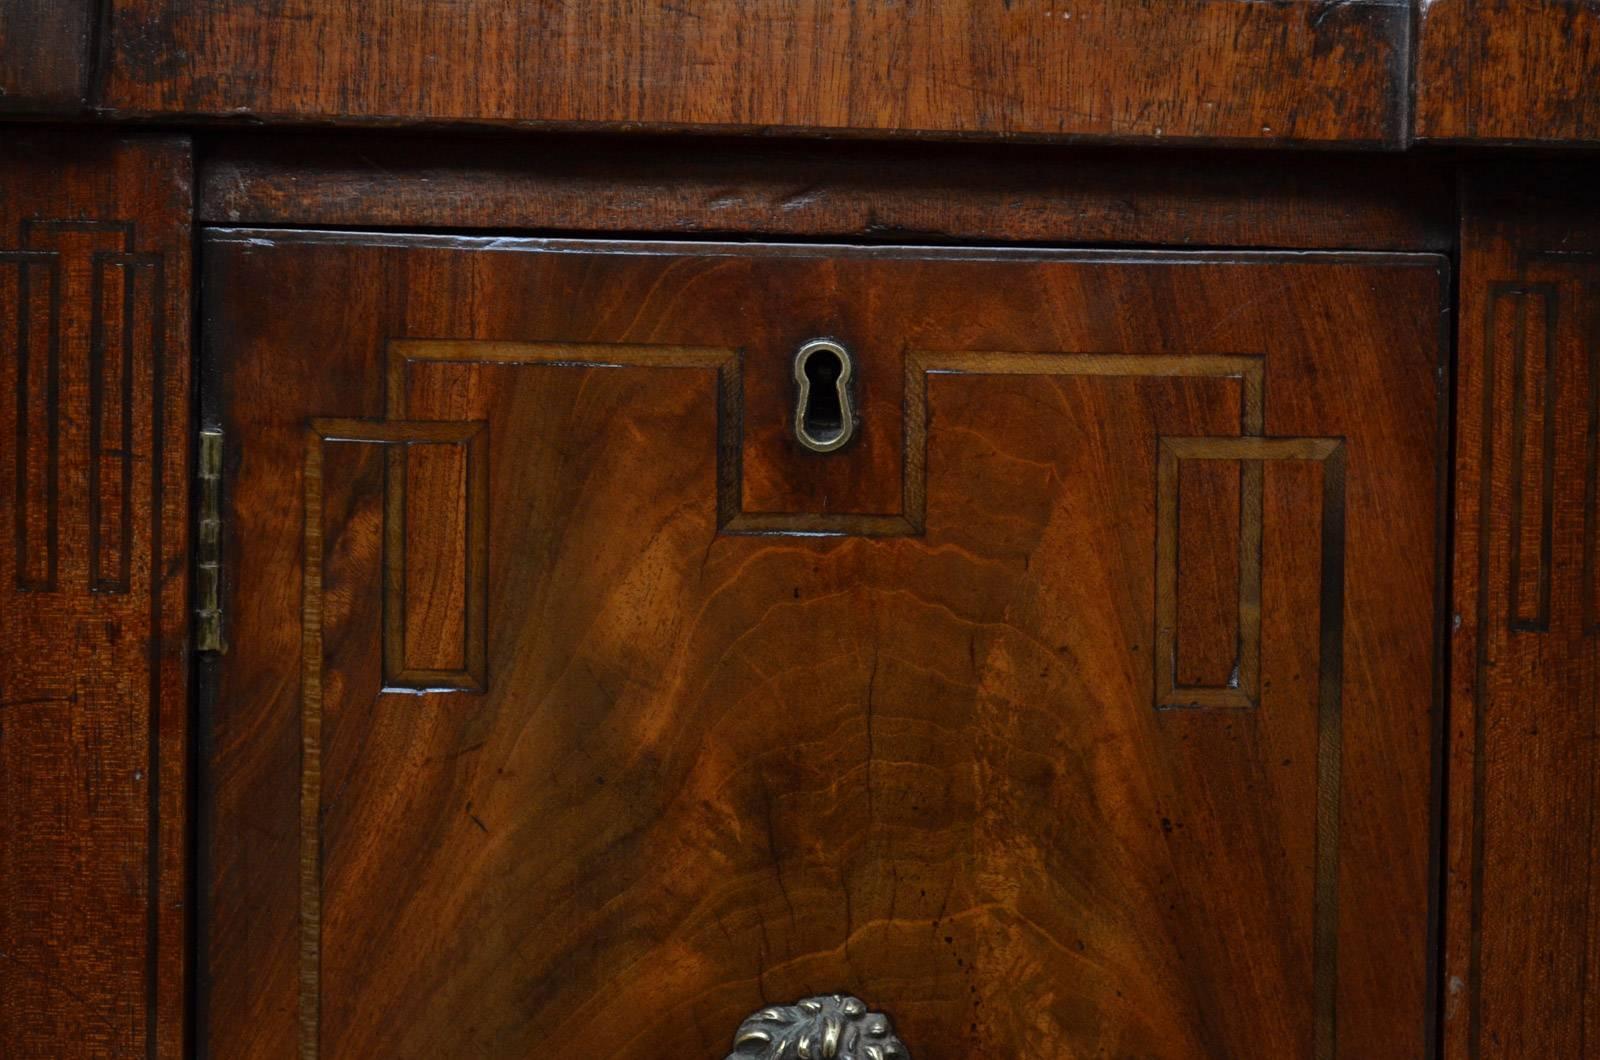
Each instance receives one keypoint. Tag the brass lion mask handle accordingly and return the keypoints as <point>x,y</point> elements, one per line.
<point>832,1027</point>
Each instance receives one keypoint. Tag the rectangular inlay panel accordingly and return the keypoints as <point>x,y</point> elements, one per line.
<point>1524,318</point>
<point>435,548</point>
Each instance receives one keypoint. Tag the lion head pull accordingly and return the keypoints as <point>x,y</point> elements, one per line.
<point>832,1027</point>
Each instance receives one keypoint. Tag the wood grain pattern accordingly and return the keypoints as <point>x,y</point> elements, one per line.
<point>1303,71</point>
<point>44,55</point>
<point>1523,935</point>
<point>923,192</point>
<point>94,296</point>
<point>1507,71</point>
<point>710,769</point>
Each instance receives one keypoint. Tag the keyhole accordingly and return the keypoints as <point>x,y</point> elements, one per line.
<point>823,418</point>
<point>824,412</point>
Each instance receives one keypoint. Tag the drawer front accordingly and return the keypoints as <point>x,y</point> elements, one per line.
<point>1079,702</point>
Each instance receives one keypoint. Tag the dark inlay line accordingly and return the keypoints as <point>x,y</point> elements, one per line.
<point>34,225</point>
<point>158,415</point>
<point>1591,467</point>
<point>1497,292</point>
<point>1330,743</point>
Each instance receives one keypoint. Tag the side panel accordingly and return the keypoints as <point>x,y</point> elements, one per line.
<point>1523,937</point>
<point>94,415</point>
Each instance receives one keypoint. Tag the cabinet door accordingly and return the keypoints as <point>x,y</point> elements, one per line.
<point>1081,703</point>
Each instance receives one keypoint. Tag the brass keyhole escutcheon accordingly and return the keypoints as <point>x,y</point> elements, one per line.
<point>824,415</point>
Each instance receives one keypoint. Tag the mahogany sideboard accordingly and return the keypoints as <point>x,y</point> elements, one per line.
<point>785,529</point>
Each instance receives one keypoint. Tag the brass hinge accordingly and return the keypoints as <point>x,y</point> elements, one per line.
<point>208,546</point>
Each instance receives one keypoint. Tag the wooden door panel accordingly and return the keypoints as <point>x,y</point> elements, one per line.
<point>1083,706</point>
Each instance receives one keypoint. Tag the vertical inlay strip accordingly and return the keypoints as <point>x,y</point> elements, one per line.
<point>38,346</point>
<point>311,755</point>
<point>1330,727</point>
<point>1533,453</point>
<point>121,337</point>
<point>393,436</point>
<point>1330,452</point>
<point>1591,465</point>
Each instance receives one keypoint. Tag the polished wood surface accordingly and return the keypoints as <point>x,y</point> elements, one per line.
<point>1507,71</point>
<point>1222,72</point>
<point>1167,124</point>
<point>1371,73</point>
<point>709,759</point>
<point>1523,955</point>
<point>1305,71</point>
<point>94,369</point>
<point>45,55</point>
<point>878,192</point>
